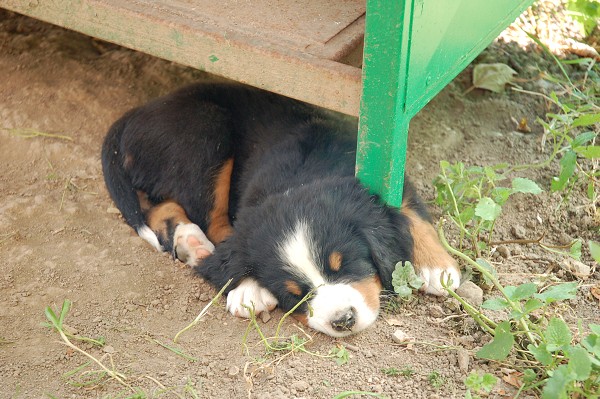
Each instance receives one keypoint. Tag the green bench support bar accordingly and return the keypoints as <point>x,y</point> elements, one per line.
<point>413,49</point>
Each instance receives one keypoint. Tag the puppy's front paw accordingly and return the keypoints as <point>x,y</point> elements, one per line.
<point>190,244</point>
<point>433,276</point>
<point>249,294</point>
<point>430,259</point>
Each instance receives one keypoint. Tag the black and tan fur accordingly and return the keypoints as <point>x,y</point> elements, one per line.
<point>271,182</point>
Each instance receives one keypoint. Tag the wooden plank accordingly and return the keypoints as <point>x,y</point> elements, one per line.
<point>298,24</point>
<point>169,34</point>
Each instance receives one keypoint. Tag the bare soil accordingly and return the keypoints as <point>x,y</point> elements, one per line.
<point>60,238</point>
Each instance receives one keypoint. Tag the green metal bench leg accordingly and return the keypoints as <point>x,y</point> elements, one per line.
<point>413,48</point>
<point>383,124</point>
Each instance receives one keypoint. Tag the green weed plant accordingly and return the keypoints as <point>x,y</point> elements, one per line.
<point>85,377</point>
<point>479,384</point>
<point>555,362</point>
<point>472,197</point>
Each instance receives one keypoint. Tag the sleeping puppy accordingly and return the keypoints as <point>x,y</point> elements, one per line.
<point>247,185</point>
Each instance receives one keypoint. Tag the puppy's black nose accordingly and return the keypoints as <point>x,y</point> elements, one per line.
<point>346,321</point>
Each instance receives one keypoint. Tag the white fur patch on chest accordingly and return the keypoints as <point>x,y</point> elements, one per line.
<point>297,252</point>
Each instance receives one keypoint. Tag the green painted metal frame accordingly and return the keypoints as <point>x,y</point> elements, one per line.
<point>413,49</point>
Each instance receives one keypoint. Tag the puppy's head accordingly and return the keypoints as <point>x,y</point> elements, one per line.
<point>336,270</point>
<point>328,241</point>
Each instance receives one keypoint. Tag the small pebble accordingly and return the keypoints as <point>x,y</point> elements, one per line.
<point>204,297</point>
<point>300,386</point>
<point>466,340</point>
<point>377,388</point>
<point>517,251</point>
<point>503,251</point>
<point>436,311</point>
<point>233,371</point>
<point>463,360</point>
<point>400,337</point>
<point>352,347</point>
<point>577,268</point>
<point>108,349</point>
<point>530,223</point>
<point>518,231</point>
<point>451,304</point>
<point>471,292</point>
<point>265,316</point>
<point>564,239</point>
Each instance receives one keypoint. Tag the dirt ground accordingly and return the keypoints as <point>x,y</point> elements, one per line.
<point>61,238</point>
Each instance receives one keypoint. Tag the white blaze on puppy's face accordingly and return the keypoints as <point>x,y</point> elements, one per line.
<point>338,309</point>
<point>298,256</point>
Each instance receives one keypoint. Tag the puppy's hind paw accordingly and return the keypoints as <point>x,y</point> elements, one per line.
<point>190,244</point>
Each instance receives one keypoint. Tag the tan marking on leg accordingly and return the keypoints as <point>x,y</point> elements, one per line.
<point>169,210</point>
<point>145,203</point>
<point>293,288</point>
<point>218,226</point>
<point>301,317</point>
<point>335,261</point>
<point>428,250</point>
<point>128,161</point>
<point>369,288</point>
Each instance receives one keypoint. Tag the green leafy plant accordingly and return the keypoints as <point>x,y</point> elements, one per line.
<point>340,354</point>
<point>405,279</point>
<point>391,371</point>
<point>436,379</point>
<point>541,340</point>
<point>594,250</point>
<point>394,372</point>
<point>572,129</point>
<point>472,197</point>
<point>56,322</point>
<point>87,377</point>
<point>573,134</point>
<point>347,394</point>
<point>478,384</point>
<point>587,12</point>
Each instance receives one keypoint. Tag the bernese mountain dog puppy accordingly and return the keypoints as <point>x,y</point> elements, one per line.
<point>247,185</point>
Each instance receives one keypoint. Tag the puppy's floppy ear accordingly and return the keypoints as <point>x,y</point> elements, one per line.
<point>224,264</point>
<point>389,239</point>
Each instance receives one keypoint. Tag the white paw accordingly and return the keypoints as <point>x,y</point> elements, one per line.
<point>190,244</point>
<point>147,234</point>
<point>249,294</point>
<point>433,276</point>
